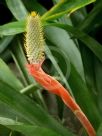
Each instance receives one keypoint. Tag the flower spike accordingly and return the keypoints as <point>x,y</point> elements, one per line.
<point>34,41</point>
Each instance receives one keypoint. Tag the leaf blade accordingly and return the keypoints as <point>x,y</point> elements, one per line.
<point>12,28</point>
<point>64,7</point>
<point>91,43</point>
<point>26,129</point>
<point>7,76</point>
<point>23,105</point>
<point>17,8</point>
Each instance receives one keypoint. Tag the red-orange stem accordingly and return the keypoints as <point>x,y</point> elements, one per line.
<point>53,86</point>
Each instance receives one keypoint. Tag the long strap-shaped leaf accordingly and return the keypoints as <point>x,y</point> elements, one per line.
<point>92,44</point>
<point>29,110</point>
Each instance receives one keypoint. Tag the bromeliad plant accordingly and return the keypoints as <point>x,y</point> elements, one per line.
<point>34,46</point>
<point>70,35</point>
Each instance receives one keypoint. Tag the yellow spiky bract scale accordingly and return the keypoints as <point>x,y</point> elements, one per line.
<point>34,40</point>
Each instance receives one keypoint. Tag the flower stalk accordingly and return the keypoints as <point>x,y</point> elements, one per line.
<point>34,48</point>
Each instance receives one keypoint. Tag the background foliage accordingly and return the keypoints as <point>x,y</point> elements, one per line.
<point>73,56</point>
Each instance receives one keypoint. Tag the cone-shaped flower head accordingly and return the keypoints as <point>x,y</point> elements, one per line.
<point>34,41</point>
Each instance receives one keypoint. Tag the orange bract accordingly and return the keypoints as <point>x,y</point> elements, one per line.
<point>53,86</point>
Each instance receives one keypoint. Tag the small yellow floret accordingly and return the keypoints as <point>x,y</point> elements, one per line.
<point>33,14</point>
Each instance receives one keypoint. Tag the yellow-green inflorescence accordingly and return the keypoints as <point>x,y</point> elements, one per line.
<point>34,40</point>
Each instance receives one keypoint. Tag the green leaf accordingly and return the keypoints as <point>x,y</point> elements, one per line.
<point>12,28</point>
<point>99,132</point>
<point>98,79</point>
<point>61,39</point>
<point>78,16</point>
<point>27,130</point>
<point>4,42</point>
<point>17,8</point>
<point>93,18</point>
<point>8,78</point>
<point>88,62</point>
<point>18,53</point>
<point>91,43</point>
<point>64,7</point>
<point>5,55</point>
<point>8,112</point>
<point>29,110</point>
<point>4,131</point>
